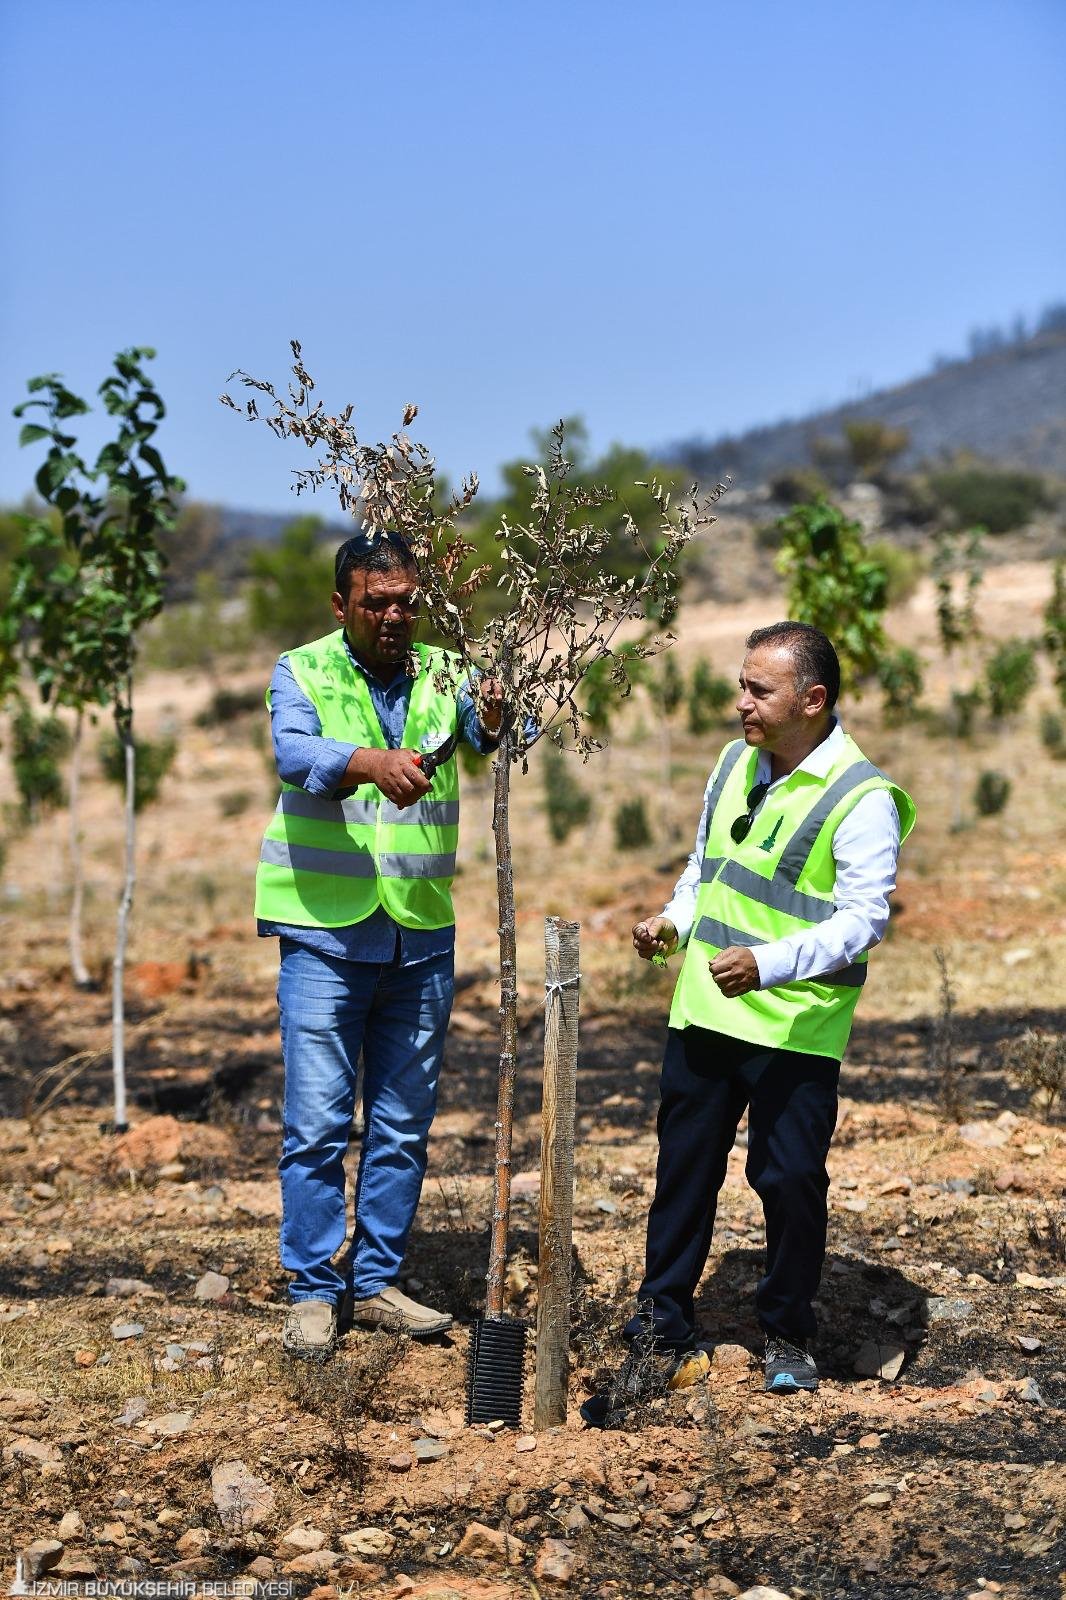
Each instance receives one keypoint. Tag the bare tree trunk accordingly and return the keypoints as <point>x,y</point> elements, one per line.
<point>78,969</point>
<point>118,1011</point>
<point>501,1181</point>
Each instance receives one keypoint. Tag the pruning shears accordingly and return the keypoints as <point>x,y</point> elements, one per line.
<point>430,760</point>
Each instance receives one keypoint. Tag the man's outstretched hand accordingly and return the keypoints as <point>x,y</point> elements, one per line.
<point>735,971</point>
<point>657,936</point>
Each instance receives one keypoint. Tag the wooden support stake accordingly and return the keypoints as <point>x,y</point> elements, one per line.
<point>562,979</point>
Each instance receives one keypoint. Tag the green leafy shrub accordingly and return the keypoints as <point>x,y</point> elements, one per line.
<point>154,758</point>
<point>565,802</point>
<point>911,500</point>
<point>832,458</point>
<point>666,686</point>
<point>991,793</point>
<point>902,681</point>
<point>193,634</point>
<point>1053,734</point>
<point>873,444</point>
<point>1011,677</point>
<point>631,830</point>
<point>999,499</point>
<point>288,601</point>
<point>835,584</point>
<point>709,695</point>
<point>38,744</point>
<point>904,570</point>
<point>965,704</point>
<point>798,485</point>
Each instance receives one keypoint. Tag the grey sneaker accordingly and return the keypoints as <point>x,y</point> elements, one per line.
<point>310,1331</point>
<point>789,1367</point>
<point>400,1314</point>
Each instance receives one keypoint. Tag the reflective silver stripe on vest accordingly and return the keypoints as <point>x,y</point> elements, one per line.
<point>793,858</point>
<point>298,803</point>
<point>428,813</point>
<point>306,858</point>
<point>729,761</point>
<point>710,931</point>
<point>710,867</point>
<point>392,865</point>
<point>355,863</point>
<point>772,892</point>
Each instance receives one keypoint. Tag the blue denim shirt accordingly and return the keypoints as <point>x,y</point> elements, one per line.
<point>310,761</point>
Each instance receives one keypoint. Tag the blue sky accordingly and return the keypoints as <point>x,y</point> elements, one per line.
<point>676,220</point>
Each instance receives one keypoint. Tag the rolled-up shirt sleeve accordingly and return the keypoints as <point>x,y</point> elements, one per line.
<point>865,850</point>
<point>304,756</point>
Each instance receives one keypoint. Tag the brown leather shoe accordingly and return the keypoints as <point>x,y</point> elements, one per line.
<point>310,1331</point>
<point>398,1312</point>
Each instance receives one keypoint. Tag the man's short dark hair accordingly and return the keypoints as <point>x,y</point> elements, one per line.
<point>813,653</point>
<point>370,552</point>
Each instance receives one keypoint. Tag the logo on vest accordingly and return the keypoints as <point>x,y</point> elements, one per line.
<point>769,841</point>
<point>431,741</point>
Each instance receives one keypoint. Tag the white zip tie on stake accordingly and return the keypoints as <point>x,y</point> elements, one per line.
<point>565,983</point>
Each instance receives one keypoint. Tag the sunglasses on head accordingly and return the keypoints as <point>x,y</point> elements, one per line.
<point>743,825</point>
<point>362,543</point>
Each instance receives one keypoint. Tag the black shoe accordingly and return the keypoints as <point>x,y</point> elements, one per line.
<point>788,1367</point>
<point>644,1375</point>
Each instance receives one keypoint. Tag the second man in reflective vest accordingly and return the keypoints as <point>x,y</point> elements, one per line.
<point>786,891</point>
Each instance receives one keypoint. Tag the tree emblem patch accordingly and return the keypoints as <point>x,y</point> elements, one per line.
<point>768,842</point>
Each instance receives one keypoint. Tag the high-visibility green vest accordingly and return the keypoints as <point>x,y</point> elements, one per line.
<point>330,863</point>
<point>778,880</point>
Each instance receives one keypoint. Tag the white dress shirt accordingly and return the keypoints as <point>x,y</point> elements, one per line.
<point>865,849</point>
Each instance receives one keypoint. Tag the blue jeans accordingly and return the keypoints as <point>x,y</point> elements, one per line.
<point>398,1017</point>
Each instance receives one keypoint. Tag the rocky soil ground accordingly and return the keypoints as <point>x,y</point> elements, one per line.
<point>151,1424</point>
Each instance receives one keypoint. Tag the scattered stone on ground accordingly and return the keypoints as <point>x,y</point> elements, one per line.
<point>242,1500</point>
<point>482,1543</point>
<point>40,1557</point>
<point>301,1537</point>
<point>429,1450</point>
<point>875,1360</point>
<point>211,1286</point>
<point>369,1541</point>
<point>556,1562</point>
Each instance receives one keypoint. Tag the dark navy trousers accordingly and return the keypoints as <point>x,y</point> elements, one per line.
<point>707,1081</point>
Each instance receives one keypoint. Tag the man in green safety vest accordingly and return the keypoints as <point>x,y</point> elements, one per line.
<point>786,891</point>
<point>354,879</point>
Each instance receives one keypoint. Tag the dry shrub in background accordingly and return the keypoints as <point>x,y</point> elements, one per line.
<point>1038,1061</point>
